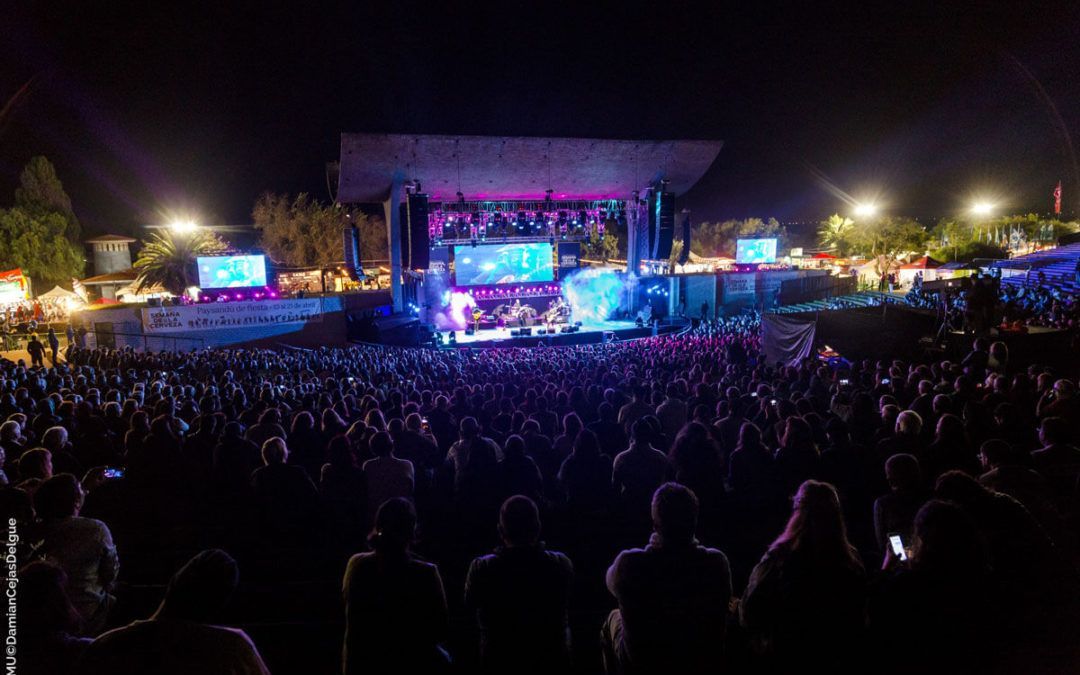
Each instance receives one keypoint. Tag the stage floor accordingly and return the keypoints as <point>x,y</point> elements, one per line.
<point>503,334</point>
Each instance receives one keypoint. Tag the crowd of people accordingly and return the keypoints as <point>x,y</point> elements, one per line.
<point>41,310</point>
<point>1008,306</point>
<point>671,504</point>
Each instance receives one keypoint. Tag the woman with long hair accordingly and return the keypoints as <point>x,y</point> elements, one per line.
<point>751,464</point>
<point>695,457</point>
<point>797,458</point>
<point>585,476</point>
<point>806,599</point>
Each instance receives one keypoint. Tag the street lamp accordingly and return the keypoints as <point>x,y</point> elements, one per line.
<point>865,210</point>
<point>184,227</point>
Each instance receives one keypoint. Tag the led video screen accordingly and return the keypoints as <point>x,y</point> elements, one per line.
<point>755,251</point>
<point>232,271</point>
<point>503,264</point>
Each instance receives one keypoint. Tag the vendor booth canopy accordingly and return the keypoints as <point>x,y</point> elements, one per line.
<point>923,263</point>
<point>58,293</point>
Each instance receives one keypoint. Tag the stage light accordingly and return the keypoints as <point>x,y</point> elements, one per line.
<point>982,208</point>
<point>865,210</point>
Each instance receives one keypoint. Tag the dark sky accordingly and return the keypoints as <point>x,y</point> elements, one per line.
<point>200,108</point>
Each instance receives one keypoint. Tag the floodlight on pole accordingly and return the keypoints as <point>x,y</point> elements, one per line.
<point>183,226</point>
<point>865,210</point>
<point>982,208</point>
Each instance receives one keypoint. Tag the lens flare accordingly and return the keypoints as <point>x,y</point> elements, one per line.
<point>594,293</point>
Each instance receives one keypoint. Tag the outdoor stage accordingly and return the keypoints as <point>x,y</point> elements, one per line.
<point>589,333</point>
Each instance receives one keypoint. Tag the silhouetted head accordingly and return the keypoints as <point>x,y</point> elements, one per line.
<point>201,588</point>
<point>674,514</point>
<point>395,526</point>
<point>519,521</point>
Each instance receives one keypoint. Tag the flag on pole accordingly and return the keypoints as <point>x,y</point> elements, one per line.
<point>1057,199</point>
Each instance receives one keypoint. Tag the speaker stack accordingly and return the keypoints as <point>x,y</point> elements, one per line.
<point>350,241</point>
<point>661,224</point>
<point>414,237</point>
<point>684,255</point>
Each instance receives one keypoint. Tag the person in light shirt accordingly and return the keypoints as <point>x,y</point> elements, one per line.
<point>387,476</point>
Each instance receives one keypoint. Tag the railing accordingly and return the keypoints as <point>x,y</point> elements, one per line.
<point>808,289</point>
<point>102,337</point>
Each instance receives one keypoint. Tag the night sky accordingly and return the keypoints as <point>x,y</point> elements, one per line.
<point>198,109</point>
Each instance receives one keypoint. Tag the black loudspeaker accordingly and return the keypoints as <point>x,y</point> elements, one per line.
<point>469,331</point>
<point>684,256</point>
<point>661,224</point>
<point>414,232</point>
<point>525,331</point>
<point>350,241</point>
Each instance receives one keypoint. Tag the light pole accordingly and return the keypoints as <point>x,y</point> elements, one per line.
<point>980,210</point>
<point>864,212</point>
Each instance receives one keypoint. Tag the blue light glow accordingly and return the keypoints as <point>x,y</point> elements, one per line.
<point>594,293</point>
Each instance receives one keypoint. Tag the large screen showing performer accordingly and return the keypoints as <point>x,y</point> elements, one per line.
<point>503,264</point>
<point>232,271</point>
<point>755,251</point>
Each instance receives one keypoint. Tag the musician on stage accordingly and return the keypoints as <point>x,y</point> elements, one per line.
<point>476,314</point>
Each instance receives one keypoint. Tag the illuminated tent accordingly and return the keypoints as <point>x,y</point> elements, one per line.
<point>58,293</point>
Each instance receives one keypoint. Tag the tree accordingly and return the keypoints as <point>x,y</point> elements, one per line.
<point>835,234</point>
<point>887,239</point>
<point>168,260</point>
<point>602,249</point>
<point>36,243</point>
<point>968,251</point>
<point>710,240</point>
<point>303,232</point>
<point>40,192</point>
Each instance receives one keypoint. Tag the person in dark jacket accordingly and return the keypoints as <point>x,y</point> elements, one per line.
<point>673,596</point>
<point>395,605</point>
<point>520,594</point>
<point>54,345</point>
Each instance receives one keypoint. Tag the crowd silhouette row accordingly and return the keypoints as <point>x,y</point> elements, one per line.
<point>672,504</point>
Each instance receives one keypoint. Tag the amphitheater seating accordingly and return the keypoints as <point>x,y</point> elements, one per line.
<point>860,299</point>
<point>1058,264</point>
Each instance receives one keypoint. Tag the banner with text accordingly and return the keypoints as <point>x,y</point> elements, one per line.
<point>569,258</point>
<point>209,316</point>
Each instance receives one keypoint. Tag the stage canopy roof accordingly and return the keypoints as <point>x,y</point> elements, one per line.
<point>495,168</point>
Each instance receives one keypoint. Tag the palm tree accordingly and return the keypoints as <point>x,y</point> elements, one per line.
<point>167,260</point>
<point>835,233</point>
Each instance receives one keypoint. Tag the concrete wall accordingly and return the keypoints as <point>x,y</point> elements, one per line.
<point>122,327</point>
<point>111,257</point>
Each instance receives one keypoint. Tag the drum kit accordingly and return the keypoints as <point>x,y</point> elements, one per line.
<point>516,314</point>
<point>526,315</point>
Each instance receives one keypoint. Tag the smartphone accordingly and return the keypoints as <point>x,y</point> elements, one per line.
<point>886,380</point>
<point>772,402</point>
<point>112,472</point>
<point>897,545</point>
<point>845,381</point>
<point>424,424</point>
<point>754,394</point>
